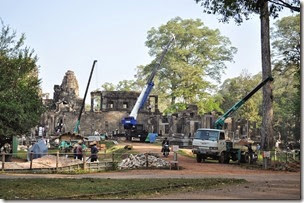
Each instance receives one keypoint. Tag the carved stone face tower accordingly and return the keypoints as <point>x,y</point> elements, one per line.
<point>70,84</point>
<point>68,91</point>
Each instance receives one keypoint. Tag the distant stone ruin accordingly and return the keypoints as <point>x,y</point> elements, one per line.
<point>108,108</point>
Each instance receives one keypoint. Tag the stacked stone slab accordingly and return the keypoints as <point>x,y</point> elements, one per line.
<point>139,161</point>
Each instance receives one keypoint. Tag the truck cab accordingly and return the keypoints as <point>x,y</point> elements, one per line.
<point>208,143</point>
<point>215,144</point>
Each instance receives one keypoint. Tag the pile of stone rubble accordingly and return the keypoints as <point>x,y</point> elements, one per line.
<point>139,161</point>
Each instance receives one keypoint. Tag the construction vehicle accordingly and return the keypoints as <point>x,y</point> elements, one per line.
<point>66,145</point>
<point>215,144</point>
<point>132,128</point>
<point>76,128</point>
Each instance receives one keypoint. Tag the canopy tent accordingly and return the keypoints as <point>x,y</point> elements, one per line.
<point>151,137</point>
<point>39,149</point>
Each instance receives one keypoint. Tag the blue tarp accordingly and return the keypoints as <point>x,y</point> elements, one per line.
<point>152,137</point>
<point>39,149</point>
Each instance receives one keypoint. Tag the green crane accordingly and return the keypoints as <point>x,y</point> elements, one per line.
<point>219,123</point>
<point>76,128</point>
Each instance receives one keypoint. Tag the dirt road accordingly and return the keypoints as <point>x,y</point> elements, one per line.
<point>262,184</point>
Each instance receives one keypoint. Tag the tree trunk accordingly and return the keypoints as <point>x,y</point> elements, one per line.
<point>267,122</point>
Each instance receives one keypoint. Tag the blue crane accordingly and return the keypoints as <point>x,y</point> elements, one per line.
<point>130,122</point>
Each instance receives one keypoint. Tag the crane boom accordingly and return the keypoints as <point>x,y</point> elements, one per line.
<point>130,121</point>
<point>76,128</point>
<point>220,121</point>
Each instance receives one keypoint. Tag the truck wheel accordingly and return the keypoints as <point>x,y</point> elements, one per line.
<point>245,158</point>
<point>198,158</point>
<point>142,139</point>
<point>227,159</point>
<point>222,158</point>
<point>234,157</point>
<point>204,159</point>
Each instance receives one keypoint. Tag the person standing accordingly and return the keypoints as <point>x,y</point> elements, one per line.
<point>94,152</point>
<point>165,146</point>
<point>79,150</point>
<point>75,151</point>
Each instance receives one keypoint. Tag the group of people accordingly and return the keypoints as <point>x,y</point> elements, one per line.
<point>78,151</point>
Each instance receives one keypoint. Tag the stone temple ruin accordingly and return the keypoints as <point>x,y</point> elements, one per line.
<point>109,107</point>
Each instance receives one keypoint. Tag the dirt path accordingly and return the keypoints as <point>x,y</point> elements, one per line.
<point>261,184</point>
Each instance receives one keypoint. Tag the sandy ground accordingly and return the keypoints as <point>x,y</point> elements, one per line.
<point>262,184</point>
<point>47,161</point>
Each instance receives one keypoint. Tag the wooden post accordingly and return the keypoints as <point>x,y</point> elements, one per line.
<point>113,165</point>
<point>147,161</point>
<point>265,163</point>
<point>286,157</point>
<point>31,157</point>
<point>3,160</point>
<point>175,156</point>
<point>84,161</point>
<point>175,159</point>
<point>57,160</point>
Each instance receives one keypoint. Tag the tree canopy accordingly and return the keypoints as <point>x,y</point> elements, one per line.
<point>124,85</point>
<point>286,44</point>
<point>235,89</point>
<point>20,102</point>
<point>107,86</point>
<point>198,55</point>
<point>287,88</point>
<point>239,9</point>
<point>242,9</point>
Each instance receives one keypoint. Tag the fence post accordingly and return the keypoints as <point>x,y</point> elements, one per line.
<point>147,161</point>
<point>31,157</point>
<point>3,160</point>
<point>113,165</point>
<point>84,161</point>
<point>175,156</point>
<point>57,160</point>
<point>286,157</point>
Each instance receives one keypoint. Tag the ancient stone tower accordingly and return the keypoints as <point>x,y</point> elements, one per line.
<point>68,91</point>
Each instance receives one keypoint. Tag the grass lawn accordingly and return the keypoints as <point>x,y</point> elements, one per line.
<point>88,188</point>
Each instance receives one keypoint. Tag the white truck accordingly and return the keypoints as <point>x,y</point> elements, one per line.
<point>214,144</point>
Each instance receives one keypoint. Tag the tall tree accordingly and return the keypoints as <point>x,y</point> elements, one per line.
<point>286,45</point>
<point>20,102</point>
<point>235,89</point>
<point>286,54</point>
<point>239,9</point>
<point>197,54</point>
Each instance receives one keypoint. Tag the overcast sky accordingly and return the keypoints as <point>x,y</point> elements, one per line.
<point>70,34</point>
